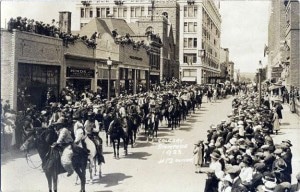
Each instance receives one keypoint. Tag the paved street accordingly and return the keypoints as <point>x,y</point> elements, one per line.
<point>165,165</point>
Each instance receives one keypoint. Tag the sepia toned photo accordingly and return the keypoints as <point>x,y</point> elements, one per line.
<point>150,95</point>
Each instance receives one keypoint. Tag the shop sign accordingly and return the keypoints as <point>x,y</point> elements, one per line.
<point>136,58</point>
<point>77,72</point>
<point>276,75</point>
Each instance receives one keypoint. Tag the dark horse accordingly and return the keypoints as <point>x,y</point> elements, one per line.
<point>42,139</point>
<point>118,129</point>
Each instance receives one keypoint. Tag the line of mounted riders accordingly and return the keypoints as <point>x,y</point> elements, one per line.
<point>72,131</point>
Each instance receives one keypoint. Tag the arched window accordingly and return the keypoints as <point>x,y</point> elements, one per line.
<point>165,14</point>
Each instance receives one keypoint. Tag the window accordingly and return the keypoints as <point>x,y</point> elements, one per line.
<point>91,13</point>
<point>105,12</point>
<point>98,12</point>
<point>190,11</point>
<point>190,42</point>
<point>82,12</point>
<point>190,26</point>
<point>189,73</point>
<point>185,44</point>
<point>137,11</point>
<point>190,58</point>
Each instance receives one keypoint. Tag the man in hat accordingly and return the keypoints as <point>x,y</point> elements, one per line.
<point>64,140</point>
<point>279,167</point>
<point>198,155</point>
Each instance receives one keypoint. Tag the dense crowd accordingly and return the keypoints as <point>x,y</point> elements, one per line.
<point>240,151</point>
<point>51,30</point>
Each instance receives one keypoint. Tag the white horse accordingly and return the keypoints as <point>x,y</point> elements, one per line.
<point>80,135</point>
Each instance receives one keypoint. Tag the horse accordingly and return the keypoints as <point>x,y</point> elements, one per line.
<point>118,129</point>
<point>134,122</point>
<point>94,155</point>
<point>42,139</point>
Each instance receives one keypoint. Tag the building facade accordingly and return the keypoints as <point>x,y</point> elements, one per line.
<point>224,60</point>
<point>153,14</point>
<point>31,63</point>
<point>291,58</point>
<point>276,31</point>
<point>199,47</point>
<point>196,29</point>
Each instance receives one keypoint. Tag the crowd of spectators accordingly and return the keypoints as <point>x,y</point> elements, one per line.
<point>241,153</point>
<point>51,30</point>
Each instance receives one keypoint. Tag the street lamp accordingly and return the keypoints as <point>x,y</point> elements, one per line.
<point>109,64</point>
<point>259,81</point>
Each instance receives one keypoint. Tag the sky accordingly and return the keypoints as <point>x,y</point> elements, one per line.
<point>244,28</point>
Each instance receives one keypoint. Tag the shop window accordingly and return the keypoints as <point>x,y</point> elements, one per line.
<point>189,73</point>
<point>36,80</point>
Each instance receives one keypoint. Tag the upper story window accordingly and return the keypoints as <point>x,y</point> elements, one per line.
<point>190,11</point>
<point>137,11</point>
<point>190,42</point>
<point>120,12</point>
<point>103,12</point>
<point>82,12</point>
<point>190,26</point>
<point>91,13</point>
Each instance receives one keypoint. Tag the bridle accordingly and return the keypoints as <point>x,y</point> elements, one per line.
<point>29,161</point>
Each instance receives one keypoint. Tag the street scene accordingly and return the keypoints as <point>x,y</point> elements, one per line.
<point>150,95</point>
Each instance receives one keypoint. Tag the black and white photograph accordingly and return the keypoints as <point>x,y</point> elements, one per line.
<point>150,96</point>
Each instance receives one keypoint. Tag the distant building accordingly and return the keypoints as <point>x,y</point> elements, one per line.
<point>230,70</point>
<point>224,62</point>
<point>196,31</point>
<point>148,14</point>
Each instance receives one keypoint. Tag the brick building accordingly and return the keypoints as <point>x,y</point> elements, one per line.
<point>32,63</point>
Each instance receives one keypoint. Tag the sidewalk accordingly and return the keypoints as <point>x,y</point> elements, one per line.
<point>290,129</point>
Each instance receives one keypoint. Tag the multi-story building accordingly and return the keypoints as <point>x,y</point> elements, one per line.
<point>291,59</point>
<point>230,70</point>
<point>142,11</point>
<point>199,48</point>
<point>224,60</point>
<point>196,27</point>
<point>276,31</point>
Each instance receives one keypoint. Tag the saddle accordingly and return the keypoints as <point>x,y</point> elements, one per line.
<point>98,143</point>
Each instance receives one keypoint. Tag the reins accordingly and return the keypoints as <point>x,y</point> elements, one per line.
<point>30,163</point>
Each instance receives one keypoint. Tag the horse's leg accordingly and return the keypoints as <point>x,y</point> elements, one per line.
<point>126,142</point>
<point>106,139</point>
<point>49,179</point>
<point>54,177</point>
<point>81,174</point>
<point>118,146</point>
<point>91,169</point>
<point>95,163</point>
<point>114,146</point>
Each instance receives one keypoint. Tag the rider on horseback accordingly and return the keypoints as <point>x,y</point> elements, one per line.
<point>92,130</point>
<point>64,140</point>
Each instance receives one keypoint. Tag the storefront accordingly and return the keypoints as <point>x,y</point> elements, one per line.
<point>34,81</point>
<point>79,78</point>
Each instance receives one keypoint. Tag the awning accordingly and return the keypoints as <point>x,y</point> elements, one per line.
<point>189,79</point>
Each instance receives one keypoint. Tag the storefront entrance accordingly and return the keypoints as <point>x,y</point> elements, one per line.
<point>33,83</point>
<point>79,84</point>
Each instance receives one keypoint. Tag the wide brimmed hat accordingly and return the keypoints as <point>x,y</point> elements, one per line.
<point>198,142</point>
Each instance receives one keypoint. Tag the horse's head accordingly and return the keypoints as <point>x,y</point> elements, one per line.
<point>79,135</point>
